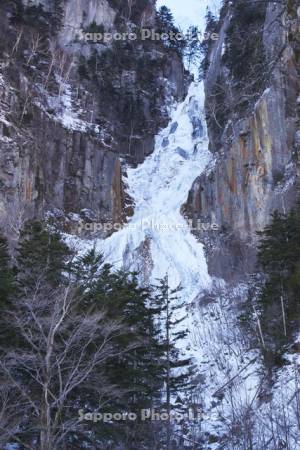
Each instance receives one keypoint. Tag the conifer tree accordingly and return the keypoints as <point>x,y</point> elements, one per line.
<point>176,368</point>
<point>165,19</point>
<point>86,267</point>
<point>279,258</point>
<point>211,27</point>
<point>193,46</point>
<point>138,373</point>
<point>165,25</point>
<point>42,257</point>
<point>121,296</point>
<point>7,282</point>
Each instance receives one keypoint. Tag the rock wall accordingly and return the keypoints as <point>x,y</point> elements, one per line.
<point>256,148</point>
<point>74,113</point>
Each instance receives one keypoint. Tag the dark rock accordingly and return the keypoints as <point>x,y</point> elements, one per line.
<point>252,141</point>
<point>182,153</point>
<point>75,109</point>
<point>173,127</point>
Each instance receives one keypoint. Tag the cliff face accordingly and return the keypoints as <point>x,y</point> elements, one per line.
<point>72,111</point>
<point>252,107</point>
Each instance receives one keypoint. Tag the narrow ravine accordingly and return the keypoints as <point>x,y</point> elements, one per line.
<point>158,241</point>
<point>157,238</point>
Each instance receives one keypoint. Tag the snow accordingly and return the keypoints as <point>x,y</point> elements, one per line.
<point>66,113</point>
<point>159,187</point>
<point>3,111</point>
<point>157,241</point>
<point>64,109</point>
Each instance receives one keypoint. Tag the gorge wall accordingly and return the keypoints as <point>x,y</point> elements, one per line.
<point>252,105</point>
<point>71,111</point>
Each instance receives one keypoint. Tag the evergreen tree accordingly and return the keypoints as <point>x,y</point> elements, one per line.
<point>143,358</point>
<point>7,282</point>
<point>211,27</point>
<point>193,46</point>
<point>170,310</point>
<point>123,299</point>
<point>42,257</point>
<point>86,267</point>
<point>211,21</point>
<point>165,24</point>
<point>165,19</point>
<point>176,368</point>
<point>279,258</point>
<point>137,373</point>
<point>245,55</point>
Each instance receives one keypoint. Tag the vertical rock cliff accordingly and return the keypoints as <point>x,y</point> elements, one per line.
<point>252,106</point>
<point>72,111</point>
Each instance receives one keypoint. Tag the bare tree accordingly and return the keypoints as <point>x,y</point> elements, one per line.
<point>35,47</point>
<point>130,4</point>
<point>14,213</point>
<point>60,348</point>
<point>16,44</point>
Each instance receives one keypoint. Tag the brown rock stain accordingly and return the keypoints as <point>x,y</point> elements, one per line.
<point>117,193</point>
